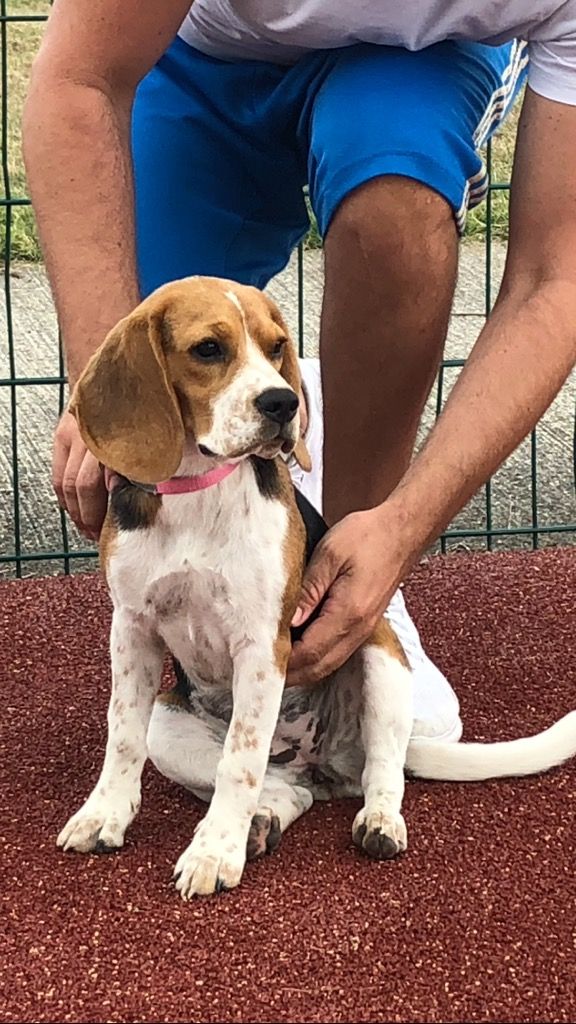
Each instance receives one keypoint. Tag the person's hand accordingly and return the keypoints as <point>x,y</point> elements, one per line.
<point>358,566</point>
<point>78,479</point>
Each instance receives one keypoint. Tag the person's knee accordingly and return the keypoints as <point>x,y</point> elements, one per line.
<point>400,227</point>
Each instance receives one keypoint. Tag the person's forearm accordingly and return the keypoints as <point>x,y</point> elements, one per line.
<point>77,152</point>
<point>517,367</point>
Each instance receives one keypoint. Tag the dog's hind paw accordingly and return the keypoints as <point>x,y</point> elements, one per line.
<point>264,835</point>
<point>100,824</point>
<point>379,834</point>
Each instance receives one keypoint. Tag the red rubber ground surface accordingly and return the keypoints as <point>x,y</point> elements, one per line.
<point>475,923</point>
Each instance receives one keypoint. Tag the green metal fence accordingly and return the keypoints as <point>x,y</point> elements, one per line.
<point>529,503</point>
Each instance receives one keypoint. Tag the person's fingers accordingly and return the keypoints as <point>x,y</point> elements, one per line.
<point>60,453</point>
<point>316,657</point>
<point>78,478</point>
<point>66,436</point>
<point>111,479</point>
<point>92,496</point>
<point>70,474</point>
<point>319,576</point>
<point>331,639</point>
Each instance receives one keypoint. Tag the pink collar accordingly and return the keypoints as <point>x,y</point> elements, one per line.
<point>189,484</point>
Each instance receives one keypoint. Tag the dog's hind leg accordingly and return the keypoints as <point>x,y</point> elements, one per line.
<point>185,748</point>
<point>386,724</point>
<point>279,805</point>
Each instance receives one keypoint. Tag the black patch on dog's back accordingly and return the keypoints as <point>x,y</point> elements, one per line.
<point>132,507</point>
<point>284,757</point>
<point>182,687</point>
<point>316,528</point>
<point>313,522</point>
<point>267,476</point>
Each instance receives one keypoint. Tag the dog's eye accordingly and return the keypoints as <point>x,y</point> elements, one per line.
<point>278,348</point>
<point>209,351</point>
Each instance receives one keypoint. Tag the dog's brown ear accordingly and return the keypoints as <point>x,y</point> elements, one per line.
<point>291,373</point>
<point>302,455</point>
<point>125,406</point>
<point>290,369</point>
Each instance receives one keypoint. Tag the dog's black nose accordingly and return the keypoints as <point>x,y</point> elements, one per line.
<point>277,404</point>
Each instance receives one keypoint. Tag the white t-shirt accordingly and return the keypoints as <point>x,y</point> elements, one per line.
<point>282,31</point>
<point>310,484</point>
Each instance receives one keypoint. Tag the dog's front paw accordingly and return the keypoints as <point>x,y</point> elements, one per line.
<point>379,834</point>
<point>100,824</point>
<point>214,861</point>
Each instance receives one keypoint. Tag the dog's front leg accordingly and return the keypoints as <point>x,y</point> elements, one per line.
<point>215,858</point>
<point>101,822</point>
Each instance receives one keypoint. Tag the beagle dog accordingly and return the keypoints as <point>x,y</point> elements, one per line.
<point>193,400</point>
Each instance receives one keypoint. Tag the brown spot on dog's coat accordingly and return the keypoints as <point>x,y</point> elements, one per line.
<point>294,557</point>
<point>243,737</point>
<point>107,543</point>
<point>384,636</point>
<point>250,738</point>
<point>175,698</point>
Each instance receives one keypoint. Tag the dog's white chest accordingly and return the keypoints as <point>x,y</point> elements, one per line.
<point>195,612</point>
<point>209,576</point>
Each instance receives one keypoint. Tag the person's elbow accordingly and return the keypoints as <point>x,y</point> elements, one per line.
<point>68,79</point>
<point>67,98</point>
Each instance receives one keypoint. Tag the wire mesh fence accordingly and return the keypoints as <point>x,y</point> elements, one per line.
<point>529,503</point>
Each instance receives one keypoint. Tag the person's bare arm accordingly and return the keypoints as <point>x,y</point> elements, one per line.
<point>77,150</point>
<point>518,365</point>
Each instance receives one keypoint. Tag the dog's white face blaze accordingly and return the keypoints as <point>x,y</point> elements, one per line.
<point>238,428</point>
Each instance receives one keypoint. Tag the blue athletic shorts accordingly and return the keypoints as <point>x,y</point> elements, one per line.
<point>223,149</point>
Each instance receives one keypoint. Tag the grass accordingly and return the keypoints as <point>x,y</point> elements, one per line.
<point>17,224</point>
<point>501,158</point>
<point>21,40</point>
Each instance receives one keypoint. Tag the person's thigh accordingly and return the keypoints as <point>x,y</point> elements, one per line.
<point>421,115</point>
<point>218,173</point>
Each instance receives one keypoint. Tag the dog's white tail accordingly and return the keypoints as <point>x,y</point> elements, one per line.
<point>473,762</point>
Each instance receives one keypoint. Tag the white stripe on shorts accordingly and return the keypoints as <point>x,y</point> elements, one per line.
<point>476,188</point>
